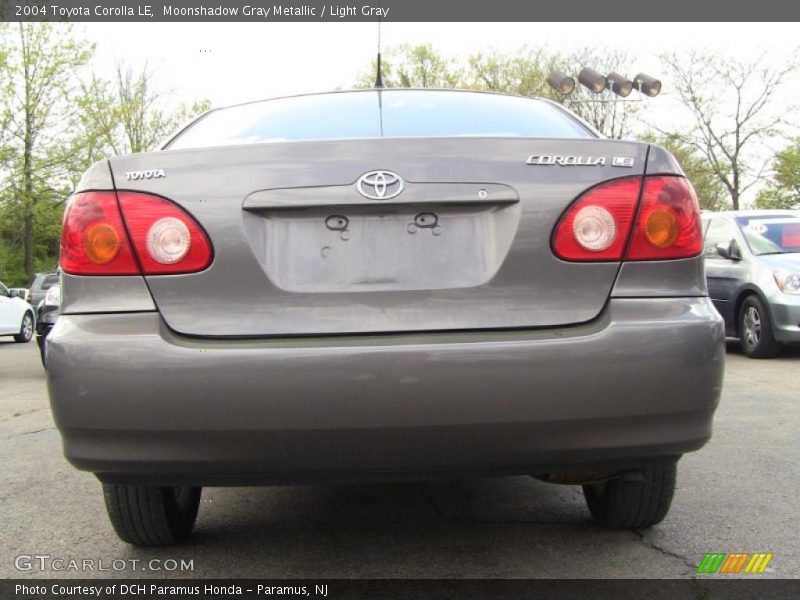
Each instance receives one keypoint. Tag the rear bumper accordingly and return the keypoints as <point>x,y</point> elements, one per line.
<point>135,402</point>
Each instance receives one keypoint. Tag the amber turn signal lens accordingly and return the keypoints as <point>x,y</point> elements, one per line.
<point>101,243</point>
<point>661,228</point>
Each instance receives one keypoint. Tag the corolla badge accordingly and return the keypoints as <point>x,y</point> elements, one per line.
<point>380,185</point>
<point>578,161</point>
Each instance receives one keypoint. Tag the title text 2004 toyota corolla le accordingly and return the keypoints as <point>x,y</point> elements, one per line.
<point>383,284</point>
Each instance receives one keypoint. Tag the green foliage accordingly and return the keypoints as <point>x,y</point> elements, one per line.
<point>413,67</point>
<point>523,72</point>
<point>783,190</point>
<point>37,77</point>
<point>56,119</point>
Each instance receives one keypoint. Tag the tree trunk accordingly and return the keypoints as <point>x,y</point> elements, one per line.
<point>27,203</point>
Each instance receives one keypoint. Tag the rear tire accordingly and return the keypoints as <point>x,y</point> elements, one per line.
<point>638,499</point>
<point>152,516</point>
<point>25,330</point>
<point>755,330</point>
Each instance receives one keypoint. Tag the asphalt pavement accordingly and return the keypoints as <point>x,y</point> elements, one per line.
<point>738,494</point>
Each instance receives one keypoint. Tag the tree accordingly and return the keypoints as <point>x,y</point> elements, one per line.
<point>711,194</point>
<point>783,190</point>
<point>128,115</point>
<point>734,111</point>
<point>523,72</point>
<point>38,74</point>
<point>418,66</point>
<point>56,119</point>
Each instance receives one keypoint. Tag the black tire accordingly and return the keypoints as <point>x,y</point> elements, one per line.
<point>755,330</point>
<point>25,334</point>
<point>634,500</point>
<point>152,516</point>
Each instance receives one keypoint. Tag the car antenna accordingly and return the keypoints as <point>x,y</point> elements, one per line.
<point>378,74</point>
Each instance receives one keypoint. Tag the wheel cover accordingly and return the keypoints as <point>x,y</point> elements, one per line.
<point>27,327</point>
<point>752,326</point>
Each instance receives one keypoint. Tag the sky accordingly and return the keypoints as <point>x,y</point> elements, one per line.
<point>237,62</point>
<point>228,63</point>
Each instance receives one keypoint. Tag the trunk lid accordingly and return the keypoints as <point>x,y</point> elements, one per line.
<point>299,251</point>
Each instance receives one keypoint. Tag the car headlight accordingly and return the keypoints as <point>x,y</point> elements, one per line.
<point>787,281</point>
<point>53,296</point>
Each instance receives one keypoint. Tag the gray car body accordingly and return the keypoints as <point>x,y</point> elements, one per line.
<point>731,281</point>
<point>523,364</point>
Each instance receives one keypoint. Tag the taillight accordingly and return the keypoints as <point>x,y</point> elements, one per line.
<point>166,238</point>
<point>668,224</point>
<point>163,238</point>
<point>93,239</point>
<point>596,226</point>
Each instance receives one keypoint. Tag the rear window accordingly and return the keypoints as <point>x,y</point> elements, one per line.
<point>44,281</point>
<point>371,114</point>
<point>49,281</point>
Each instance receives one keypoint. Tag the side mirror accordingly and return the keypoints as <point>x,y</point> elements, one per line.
<point>730,250</point>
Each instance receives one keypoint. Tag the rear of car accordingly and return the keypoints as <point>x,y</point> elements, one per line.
<point>384,284</point>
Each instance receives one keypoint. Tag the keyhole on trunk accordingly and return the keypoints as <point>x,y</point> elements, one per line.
<point>336,223</point>
<point>426,220</point>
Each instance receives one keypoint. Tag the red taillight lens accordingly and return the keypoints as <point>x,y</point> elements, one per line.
<point>668,224</point>
<point>596,227</point>
<point>93,239</point>
<point>166,238</point>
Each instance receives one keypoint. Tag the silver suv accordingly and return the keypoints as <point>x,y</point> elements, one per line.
<point>753,274</point>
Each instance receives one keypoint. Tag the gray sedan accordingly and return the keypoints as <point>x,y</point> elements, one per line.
<point>753,271</point>
<point>383,284</point>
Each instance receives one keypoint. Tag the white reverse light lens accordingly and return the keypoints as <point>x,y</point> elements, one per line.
<point>594,228</point>
<point>788,282</point>
<point>168,240</point>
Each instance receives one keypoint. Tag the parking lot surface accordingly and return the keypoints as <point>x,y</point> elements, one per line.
<point>738,494</point>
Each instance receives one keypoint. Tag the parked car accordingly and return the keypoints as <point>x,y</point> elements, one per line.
<point>41,283</point>
<point>753,273</point>
<point>47,315</point>
<point>16,316</point>
<point>383,284</point>
<point>19,292</point>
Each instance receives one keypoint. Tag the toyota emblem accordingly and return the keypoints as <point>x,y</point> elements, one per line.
<point>380,185</point>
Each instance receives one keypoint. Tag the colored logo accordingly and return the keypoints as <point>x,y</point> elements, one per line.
<point>734,562</point>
